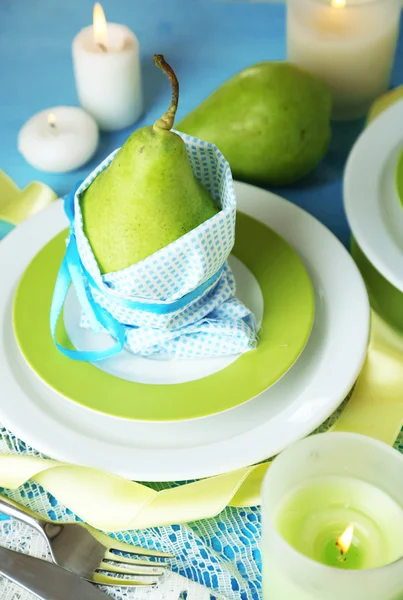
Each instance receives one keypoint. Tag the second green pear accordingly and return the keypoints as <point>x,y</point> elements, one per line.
<point>147,197</point>
<point>271,121</point>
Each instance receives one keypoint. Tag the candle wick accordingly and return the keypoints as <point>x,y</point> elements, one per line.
<point>52,125</point>
<point>103,47</point>
<point>342,557</point>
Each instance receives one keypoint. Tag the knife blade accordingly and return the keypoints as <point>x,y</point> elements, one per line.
<point>44,579</point>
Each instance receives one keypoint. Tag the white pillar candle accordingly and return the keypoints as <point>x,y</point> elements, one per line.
<point>350,44</point>
<point>332,515</point>
<point>106,61</point>
<point>59,139</point>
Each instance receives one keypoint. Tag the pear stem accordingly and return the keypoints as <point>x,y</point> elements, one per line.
<point>167,120</point>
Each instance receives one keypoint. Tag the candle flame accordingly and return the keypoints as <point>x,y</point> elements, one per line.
<point>344,541</point>
<point>338,3</point>
<point>52,119</point>
<point>100,26</point>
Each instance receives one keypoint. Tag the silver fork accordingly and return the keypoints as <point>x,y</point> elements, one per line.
<point>89,553</point>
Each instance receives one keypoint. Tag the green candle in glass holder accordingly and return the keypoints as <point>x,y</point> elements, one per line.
<point>343,523</point>
<point>332,515</point>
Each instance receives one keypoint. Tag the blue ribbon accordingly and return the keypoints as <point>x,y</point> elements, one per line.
<point>72,270</point>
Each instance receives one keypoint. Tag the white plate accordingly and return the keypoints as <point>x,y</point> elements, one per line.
<point>372,205</point>
<point>291,409</point>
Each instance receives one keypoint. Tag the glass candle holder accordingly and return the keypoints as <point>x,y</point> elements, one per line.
<point>350,44</point>
<point>333,521</point>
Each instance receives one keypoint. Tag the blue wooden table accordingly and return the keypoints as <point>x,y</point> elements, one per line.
<point>206,41</point>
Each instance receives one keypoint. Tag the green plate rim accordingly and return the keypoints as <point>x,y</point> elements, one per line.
<point>399,177</point>
<point>282,340</point>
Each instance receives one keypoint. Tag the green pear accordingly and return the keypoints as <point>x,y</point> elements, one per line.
<point>271,122</point>
<point>147,197</point>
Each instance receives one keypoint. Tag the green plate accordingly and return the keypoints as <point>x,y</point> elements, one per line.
<point>286,326</point>
<point>399,177</point>
<point>385,299</point>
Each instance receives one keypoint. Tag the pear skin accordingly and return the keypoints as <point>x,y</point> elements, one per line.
<point>271,122</point>
<point>147,197</point>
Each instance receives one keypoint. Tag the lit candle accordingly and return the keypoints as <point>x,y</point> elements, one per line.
<point>350,44</point>
<point>59,139</point>
<point>333,521</point>
<point>106,60</point>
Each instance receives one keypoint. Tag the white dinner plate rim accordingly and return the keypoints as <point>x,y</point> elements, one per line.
<point>363,175</point>
<point>249,447</point>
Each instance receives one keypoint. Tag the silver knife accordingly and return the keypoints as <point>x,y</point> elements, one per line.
<point>44,579</point>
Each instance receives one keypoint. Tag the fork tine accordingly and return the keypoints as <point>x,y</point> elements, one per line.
<point>136,551</point>
<point>116,546</point>
<point>110,556</point>
<point>103,579</point>
<point>115,567</point>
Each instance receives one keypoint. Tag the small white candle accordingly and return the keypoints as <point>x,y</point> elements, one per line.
<point>106,60</point>
<point>350,44</point>
<point>59,139</point>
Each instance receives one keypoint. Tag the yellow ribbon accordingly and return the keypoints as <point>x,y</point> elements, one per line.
<point>17,205</point>
<point>111,503</point>
<point>376,406</point>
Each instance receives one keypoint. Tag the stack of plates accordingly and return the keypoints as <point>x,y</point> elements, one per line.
<point>165,420</point>
<point>375,212</point>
